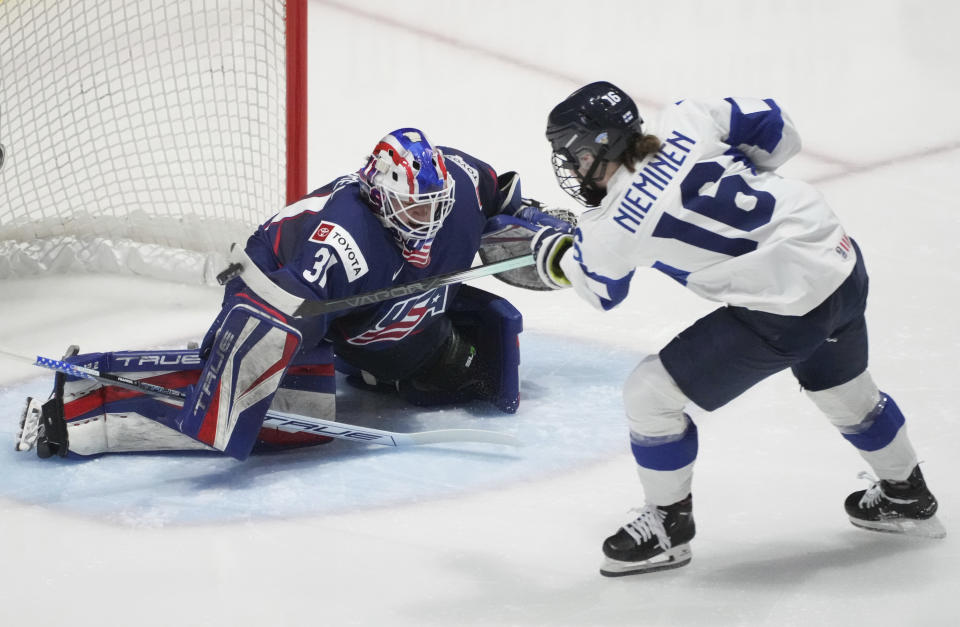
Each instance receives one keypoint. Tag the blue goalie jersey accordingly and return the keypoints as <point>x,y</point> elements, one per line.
<point>331,245</point>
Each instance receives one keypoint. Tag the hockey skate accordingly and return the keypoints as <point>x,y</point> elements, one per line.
<point>42,427</point>
<point>29,425</point>
<point>905,507</point>
<point>657,540</point>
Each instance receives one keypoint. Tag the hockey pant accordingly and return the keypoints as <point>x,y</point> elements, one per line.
<point>107,419</point>
<point>664,439</point>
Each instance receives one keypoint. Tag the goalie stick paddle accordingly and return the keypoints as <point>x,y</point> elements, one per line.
<point>283,421</point>
<point>320,307</point>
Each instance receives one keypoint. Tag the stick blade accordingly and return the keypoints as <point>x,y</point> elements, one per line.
<point>442,436</point>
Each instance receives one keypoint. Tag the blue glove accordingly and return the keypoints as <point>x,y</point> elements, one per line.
<point>548,246</point>
<point>534,212</point>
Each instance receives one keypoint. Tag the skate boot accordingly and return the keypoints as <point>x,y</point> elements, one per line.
<point>905,507</point>
<point>29,425</point>
<point>43,426</point>
<point>657,540</point>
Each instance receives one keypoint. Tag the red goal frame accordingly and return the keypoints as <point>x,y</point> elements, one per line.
<point>296,34</point>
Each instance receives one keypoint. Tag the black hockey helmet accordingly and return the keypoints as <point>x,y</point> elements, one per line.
<point>592,127</point>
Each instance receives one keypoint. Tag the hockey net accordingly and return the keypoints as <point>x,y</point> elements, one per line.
<point>145,137</point>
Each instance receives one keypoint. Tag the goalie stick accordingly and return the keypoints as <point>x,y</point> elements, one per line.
<point>511,232</point>
<point>304,308</point>
<point>290,423</point>
<point>320,307</point>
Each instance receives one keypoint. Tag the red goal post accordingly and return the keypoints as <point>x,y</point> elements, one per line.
<point>145,137</point>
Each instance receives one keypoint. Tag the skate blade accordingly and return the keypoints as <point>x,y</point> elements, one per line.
<point>29,425</point>
<point>672,558</point>
<point>929,528</point>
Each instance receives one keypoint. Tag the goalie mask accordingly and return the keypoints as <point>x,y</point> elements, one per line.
<point>407,183</point>
<point>590,128</point>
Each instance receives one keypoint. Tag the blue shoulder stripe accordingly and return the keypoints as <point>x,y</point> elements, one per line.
<point>762,129</point>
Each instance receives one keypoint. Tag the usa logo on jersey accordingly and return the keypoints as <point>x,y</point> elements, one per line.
<point>404,317</point>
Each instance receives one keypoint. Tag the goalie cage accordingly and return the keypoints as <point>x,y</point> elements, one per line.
<point>144,137</point>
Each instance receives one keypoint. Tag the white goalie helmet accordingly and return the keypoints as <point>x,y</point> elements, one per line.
<point>406,180</point>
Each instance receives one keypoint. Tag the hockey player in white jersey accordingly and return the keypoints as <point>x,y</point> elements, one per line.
<point>700,200</point>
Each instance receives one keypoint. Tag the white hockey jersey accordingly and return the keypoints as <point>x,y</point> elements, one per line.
<point>709,210</point>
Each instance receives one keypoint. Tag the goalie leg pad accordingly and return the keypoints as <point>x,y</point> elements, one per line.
<point>309,388</point>
<point>93,418</point>
<point>249,355</point>
<point>110,419</point>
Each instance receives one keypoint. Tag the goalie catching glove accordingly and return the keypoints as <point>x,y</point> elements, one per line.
<point>510,233</point>
<point>549,246</point>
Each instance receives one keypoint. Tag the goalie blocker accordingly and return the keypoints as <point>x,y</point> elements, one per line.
<point>478,359</point>
<point>256,363</point>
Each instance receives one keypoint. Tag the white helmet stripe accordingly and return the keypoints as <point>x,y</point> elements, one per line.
<point>399,159</point>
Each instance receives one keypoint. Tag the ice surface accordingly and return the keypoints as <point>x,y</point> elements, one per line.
<point>558,374</point>
<point>479,535</point>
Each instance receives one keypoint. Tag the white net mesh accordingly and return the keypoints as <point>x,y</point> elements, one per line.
<point>138,136</point>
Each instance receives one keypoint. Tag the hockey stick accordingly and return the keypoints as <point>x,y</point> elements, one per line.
<point>320,307</point>
<point>290,423</point>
